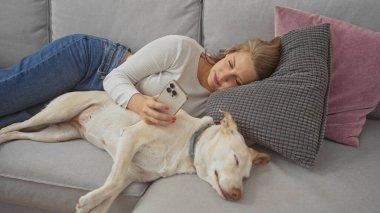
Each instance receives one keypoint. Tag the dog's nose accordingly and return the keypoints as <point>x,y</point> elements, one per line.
<point>234,194</point>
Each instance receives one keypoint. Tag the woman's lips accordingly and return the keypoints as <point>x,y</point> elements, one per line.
<point>216,82</point>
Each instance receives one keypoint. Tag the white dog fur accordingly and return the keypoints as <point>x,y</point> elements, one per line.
<point>142,152</point>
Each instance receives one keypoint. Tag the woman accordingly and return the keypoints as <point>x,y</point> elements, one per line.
<point>82,62</point>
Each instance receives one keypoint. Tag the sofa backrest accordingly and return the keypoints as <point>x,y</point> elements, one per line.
<point>24,27</point>
<point>227,22</point>
<point>131,22</point>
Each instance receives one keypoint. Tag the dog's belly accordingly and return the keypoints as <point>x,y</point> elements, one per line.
<point>101,124</point>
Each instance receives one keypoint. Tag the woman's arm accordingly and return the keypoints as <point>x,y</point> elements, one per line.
<point>155,57</point>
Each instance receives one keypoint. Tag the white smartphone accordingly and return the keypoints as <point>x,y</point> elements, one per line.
<point>173,96</point>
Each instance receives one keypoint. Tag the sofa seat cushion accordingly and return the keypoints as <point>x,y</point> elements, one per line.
<point>54,176</point>
<point>344,179</point>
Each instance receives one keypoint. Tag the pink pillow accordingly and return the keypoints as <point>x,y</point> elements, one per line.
<point>355,72</point>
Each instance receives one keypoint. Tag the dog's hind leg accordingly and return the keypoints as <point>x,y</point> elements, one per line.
<point>61,109</point>
<point>53,133</point>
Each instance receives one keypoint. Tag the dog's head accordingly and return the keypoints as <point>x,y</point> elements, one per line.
<point>223,159</point>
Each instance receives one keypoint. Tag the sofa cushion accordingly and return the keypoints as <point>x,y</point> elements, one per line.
<point>24,27</point>
<point>345,179</point>
<point>226,22</point>
<point>134,23</point>
<point>285,112</point>
<point>11,208</point>
<point>54,176</point>
<point>355,76</point>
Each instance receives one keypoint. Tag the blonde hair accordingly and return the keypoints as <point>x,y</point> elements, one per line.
<point>265,55</point>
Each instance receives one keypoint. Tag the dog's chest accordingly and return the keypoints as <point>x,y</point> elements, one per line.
<point>163,159</point>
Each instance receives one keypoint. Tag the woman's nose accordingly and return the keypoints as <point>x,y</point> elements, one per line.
<point>226,76</point>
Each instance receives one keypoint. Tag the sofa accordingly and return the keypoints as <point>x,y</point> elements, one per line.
<point>40,178</point>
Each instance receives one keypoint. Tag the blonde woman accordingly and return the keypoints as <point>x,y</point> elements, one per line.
<point>83,62</point>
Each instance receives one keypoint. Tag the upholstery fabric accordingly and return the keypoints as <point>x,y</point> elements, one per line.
<point>285,112</point>
<point>55,175</point>
<point>121,21</point>
<point>355,75</point>
<point>226,22</point>
<point>375,114</point>
<point>24,28</point>
<point>281,186</point>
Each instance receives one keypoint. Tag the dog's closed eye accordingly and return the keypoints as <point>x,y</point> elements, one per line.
<point>216,174</point>
<point>236,160</point>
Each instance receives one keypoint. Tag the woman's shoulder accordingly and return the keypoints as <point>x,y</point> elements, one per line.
<point>178,40</point>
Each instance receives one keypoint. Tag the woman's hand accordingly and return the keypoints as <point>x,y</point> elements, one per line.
<point>152,115</point>
<point>151,111</point>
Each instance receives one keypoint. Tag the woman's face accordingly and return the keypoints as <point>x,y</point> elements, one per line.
<point>233,70</point>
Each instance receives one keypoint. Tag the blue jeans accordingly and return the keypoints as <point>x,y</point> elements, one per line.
<point>72,63</point>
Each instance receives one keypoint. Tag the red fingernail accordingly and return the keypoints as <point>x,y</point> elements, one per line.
<point>165,107</point>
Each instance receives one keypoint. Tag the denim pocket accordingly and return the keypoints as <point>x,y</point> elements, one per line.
<point>104,56</point>
<point>112,55</point>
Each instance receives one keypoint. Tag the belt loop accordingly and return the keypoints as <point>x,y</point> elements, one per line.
<point>110,56</point>
<point>113,58</point>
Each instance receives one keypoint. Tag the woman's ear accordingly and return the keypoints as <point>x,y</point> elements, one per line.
<point>275,40</point>
<point>258,157</point>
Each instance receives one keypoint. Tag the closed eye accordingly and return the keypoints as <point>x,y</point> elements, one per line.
<point>230,64</point>
<point>238,82</point>
<point>236,160</point>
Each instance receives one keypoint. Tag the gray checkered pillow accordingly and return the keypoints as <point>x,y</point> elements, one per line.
<point>287,111</point>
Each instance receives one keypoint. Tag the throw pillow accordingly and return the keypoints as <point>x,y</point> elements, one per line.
<point>285,112</point>
<point>355,75</point>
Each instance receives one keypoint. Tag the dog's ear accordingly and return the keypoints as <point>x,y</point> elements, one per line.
<point>228,124</point>
<point>258,157</point>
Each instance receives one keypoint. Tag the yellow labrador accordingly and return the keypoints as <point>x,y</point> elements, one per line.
<point>142,152</point>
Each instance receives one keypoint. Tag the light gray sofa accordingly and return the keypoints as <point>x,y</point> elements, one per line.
<point>37,177</point>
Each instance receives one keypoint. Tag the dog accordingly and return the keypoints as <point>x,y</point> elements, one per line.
<point>141,152</point>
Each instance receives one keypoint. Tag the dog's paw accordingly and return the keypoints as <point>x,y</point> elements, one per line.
<point>11,128</point>
<point>99,209</point>
<point>8,136</point>
<point>89,203</point>
<point>2,131</point>
<point>84,204</point>
<point>83,208</point>
<point>6,129</point>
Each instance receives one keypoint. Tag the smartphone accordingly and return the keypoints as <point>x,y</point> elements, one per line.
<point>173,96</point>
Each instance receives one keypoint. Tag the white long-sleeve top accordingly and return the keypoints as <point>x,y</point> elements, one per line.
<point>150,69</point>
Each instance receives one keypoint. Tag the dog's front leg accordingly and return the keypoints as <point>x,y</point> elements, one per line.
<point>101,199</point>
<point>106,205</point>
